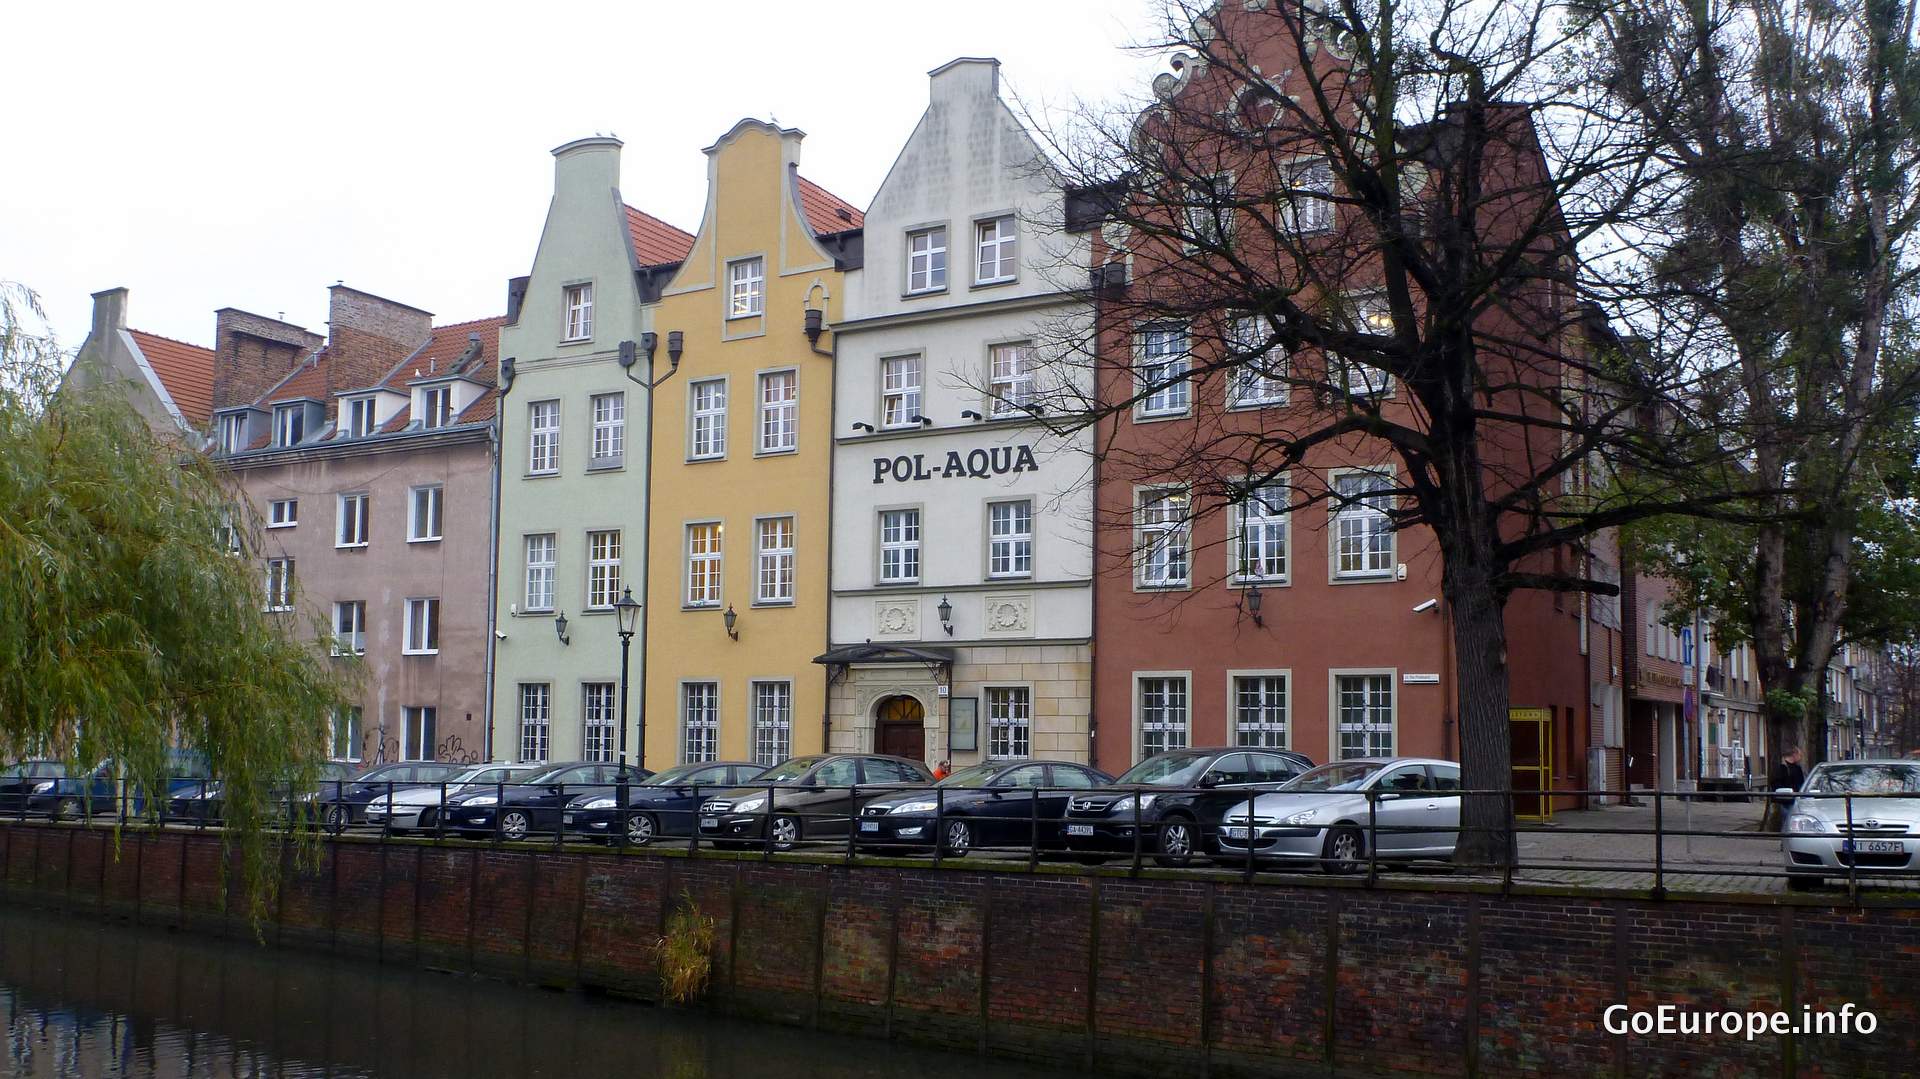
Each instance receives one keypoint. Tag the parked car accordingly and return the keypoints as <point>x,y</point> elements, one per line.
<point>664,805</point>
<point>416,808</point>
<point>1169,804</point>
<point>18,780</point>
<point>998,803</point>
<point>537,801</point>
<point>204,802</point>
<point>1322,817</point>
<point>343,802</point>
<point>74,797</point>
<point>805,798</point>
<point>1860,816</point>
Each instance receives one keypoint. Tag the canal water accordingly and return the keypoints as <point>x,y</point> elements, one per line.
<point>83,999</point>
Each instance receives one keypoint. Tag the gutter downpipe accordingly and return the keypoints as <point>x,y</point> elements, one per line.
<point>811,325</point>
<point>505,383</point>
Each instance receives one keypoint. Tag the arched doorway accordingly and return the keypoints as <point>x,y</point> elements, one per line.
<point>899,728</point>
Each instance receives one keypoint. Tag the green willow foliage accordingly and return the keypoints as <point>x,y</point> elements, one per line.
<point>128,625</point>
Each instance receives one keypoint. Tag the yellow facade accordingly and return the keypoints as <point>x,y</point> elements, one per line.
<point>736,494</point>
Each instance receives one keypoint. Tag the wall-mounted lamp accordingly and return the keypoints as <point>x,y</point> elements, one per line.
<point>946,615</point>
<point>970,414</point>
<point>815,320</point>
<point>731,620</point>
<point>560,628</point>
<point>922,420</point>
<point>867,427</point>
<point>1253,603</point>
<point>1425,605</point>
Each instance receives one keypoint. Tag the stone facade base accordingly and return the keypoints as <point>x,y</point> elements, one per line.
<point>1057,677</point>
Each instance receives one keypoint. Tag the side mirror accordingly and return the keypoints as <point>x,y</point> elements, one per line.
<point>1211,780</point>
<point>1783,790</point>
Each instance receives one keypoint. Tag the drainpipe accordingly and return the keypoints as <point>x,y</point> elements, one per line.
<point>648,342</point>
<point>832,352</point>
<point>505,381</point>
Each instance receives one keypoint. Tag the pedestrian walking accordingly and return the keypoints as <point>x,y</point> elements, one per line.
<point>1786,775</point>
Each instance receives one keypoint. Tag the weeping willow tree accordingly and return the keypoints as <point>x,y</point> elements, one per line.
<point>131,622</point>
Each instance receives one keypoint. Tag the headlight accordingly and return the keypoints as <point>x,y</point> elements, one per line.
<point>43,787</point>
<point>1806,822</point>
<point>1303,817</point>
<point>751,805</point>
<point>914,807</point>
<point>481,800</point>
<point>599,803</point>
<point>1125,805</point>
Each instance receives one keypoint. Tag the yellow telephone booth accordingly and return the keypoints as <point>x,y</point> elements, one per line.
<point>1531,734</point>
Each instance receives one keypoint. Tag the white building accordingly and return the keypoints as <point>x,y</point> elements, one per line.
<point>961,576</point>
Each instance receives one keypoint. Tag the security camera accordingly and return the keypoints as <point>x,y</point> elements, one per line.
<point>500,634</point>
<point>1425,605</point>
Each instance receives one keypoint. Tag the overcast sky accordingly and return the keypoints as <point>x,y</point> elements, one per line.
<point>250,155</point>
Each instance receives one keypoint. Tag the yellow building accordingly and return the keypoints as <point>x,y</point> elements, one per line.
<point>742,447</point>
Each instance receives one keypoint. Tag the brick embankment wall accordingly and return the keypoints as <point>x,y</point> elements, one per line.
<point>1151,976</point>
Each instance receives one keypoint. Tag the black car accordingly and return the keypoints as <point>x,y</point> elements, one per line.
<point>811,797</point>
<point>17,782</point>
<point>516,810</point>
<point>204,801</point>
<point>999,803</point>
<point>1169,805</point>
<point>664,805</point>
<point>344,802</point>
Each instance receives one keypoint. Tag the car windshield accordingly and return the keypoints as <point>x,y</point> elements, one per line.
<point>336,770</point>
<point>1334,777</point>
<point>472,775</point>
<point>546,775</point>
<point>976,776</point>
<point>787,771</point>
<point>1865,779</point>
<point>372,774</point>
<point>1168,770</point>
<point>674,776</point>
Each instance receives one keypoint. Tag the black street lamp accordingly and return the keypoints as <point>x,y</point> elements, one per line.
<point>628,610</point>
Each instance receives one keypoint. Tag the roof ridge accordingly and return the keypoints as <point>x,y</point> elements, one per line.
<point>438,327</point>
<point>188,344</point>
<point>658,220</point>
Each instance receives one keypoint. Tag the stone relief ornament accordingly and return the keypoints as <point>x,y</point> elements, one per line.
<point>1009,615</point>
<point>896,619</point>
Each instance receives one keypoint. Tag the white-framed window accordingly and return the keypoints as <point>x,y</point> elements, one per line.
<point>1210,210</point>
<point>343,742</point>
<point>603,568</point>
<point>1256,378</point>
<point>1163,367</point>
<point>899,391</point>
<point>283,513</point>
<point>543,550</point>
<point>1010,378</point>
<point>543,437</point>
<point>773,560</point>
<point>360,417</point>
<point>772,722</point>
<point>1163,546</point>
<point>352,521</point>
<point>1364,719</point>
<point>436,406</point>
<point>1163,715</point>
<point>228,536</point>
<point>579,300</point>
<point>1009,722</point>
<point>779,412</point>
<point>899,546</point>
<point>350,627</point>
<point>279,584</point>
<point>597,710</point>
<point>927,259</point>
<point>1369,314</point>
<point>423,627</point>
<point>699,721</point>
<point>233,432</point>
<point>746,287</point>
<point>1260,711</point>
<point>1363,532</point>
<point>995,251</point>
<point>609,428</point>
<point>1010,538</point>
<point>1259,523</point>
<point>424,517</point>
<point>707,400</point>
<point>536,721</point>
<point>289,424</point>
<point>1309,207</point>
<point>703,564</point>
<point>417,732</point>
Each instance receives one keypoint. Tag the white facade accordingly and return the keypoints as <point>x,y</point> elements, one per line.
<point>944,490</point>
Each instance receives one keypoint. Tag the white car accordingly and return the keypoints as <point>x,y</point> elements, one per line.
<point>1322,818</point>
<point>414,808</point>
<point>1861,817</point>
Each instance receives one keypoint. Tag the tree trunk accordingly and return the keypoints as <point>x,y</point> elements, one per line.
<point>1480,666</point>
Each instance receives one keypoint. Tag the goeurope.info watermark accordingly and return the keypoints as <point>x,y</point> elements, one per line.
<point>1675,1019</point>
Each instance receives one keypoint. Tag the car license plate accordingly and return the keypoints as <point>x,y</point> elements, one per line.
<point>709,822</point>
<point>1233,832</point>
<point>566,818</point>
<point>1876,846</point>
<point>1079,829</point>
<point>869,825</point>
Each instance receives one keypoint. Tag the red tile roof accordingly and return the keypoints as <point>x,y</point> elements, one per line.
<point>185,370</point>
<point>445,348</point>
<point>826,211</point>
<point>656,243</point>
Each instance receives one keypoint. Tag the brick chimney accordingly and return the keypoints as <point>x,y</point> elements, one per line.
<point>252,352</point>
<point>109,312</point>
<point>368,335</point>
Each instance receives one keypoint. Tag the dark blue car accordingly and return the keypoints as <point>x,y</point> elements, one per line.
<point>98,791</point>
<point>665,804</point>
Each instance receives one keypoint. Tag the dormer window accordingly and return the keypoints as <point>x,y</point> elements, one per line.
<point>436,406</point>
<point>289,424</point>
<point>233,432</point>
<point>360,417</point>
<point>579,312</point>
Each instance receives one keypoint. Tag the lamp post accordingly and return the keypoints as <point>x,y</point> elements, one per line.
<point>628,610</point>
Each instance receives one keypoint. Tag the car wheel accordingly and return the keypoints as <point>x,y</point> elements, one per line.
<point>957,838</point>
<point>785,832</point>
<point>640,830</point>
<point>1344,851</point>
<point>1177,838</point>
<point>338,817</point>
<point>67,809</point>
<point>514,825</point>
<point>1804,884</point>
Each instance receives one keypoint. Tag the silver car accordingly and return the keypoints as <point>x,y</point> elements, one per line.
<point>401,810</point>
<point>1322,817</point>
<point>1859,816</point>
